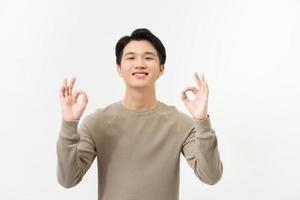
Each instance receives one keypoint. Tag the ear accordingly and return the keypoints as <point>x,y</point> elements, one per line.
<point>119,70</point>
<point>161,69</point>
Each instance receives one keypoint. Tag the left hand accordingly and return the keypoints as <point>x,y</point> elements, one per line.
<point>198,106</point>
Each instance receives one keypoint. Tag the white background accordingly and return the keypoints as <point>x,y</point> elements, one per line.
<point>248,50</point>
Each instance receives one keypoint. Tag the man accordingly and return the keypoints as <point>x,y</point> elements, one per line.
<point>139,139</point>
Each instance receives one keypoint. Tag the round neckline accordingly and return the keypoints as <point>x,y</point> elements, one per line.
<point>140,112</point>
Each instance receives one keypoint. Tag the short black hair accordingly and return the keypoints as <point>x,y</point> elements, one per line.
<point>140,34</point>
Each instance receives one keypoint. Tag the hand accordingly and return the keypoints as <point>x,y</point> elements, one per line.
<point>70,107</point>
<point>198,106</point>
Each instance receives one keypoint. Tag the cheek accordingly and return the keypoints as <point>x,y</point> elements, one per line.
<point>125,67</point>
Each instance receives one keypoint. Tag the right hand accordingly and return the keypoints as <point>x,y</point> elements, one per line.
<point>70,107</point>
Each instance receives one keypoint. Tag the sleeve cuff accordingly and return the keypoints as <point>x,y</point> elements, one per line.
<point>69,129</point>
<point>202,125</point>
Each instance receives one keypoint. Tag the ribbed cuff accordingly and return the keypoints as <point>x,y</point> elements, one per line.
<point>69,130</point>
<point>203,125</point>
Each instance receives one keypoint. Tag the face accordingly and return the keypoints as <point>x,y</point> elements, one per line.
<point>140,65</point>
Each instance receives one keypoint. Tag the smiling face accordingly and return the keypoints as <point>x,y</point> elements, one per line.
<point>140,66</point>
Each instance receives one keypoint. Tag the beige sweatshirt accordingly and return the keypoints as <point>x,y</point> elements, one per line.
<point>138,152</point>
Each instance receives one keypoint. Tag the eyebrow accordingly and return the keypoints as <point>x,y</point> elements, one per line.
<point>147,52</point>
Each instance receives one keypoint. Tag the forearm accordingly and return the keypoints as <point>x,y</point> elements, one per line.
<point>209,165</point>
<point>75,153</point>
<point>69,171</point>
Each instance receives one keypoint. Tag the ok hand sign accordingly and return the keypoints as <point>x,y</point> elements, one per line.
<point>71,108</point>
<point>198,106</point>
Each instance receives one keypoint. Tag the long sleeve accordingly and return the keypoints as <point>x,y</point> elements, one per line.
<point>201,152</point>
<point>75,152</point>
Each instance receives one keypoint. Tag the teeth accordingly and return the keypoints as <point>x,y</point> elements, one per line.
<point>140,73</point>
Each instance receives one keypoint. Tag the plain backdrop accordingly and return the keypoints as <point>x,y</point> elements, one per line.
<point>248,51</point>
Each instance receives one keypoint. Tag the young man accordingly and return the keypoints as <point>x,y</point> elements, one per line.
<point>137,140</point>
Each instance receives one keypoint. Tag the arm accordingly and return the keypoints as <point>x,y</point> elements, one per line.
<point>201,152</point>
<point>76,152</point>
<point>201,146</point>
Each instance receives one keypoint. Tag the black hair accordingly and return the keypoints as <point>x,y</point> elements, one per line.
<point>140,34</point>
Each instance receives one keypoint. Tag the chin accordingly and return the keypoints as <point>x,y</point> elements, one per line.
<point>139,85</point>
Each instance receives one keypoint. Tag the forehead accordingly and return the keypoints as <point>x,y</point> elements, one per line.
<point>139,47</point>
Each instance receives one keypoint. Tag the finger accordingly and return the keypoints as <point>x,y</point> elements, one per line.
<point>184,97</point>
<point>203,82</point>
<point>192,89</point>
<point>85,98</point>
<point>62,91</point>
<point>66,87</point>
<point>206,87</point>
<point>71,85</point>
<point>77,93</point>
<point>198,80</point>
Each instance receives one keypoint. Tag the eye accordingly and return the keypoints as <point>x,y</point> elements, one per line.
<point>148,58</point>
<point>130,58</point>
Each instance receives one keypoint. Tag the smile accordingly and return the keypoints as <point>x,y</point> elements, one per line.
<point>134,73</point>
<point>140,74</point>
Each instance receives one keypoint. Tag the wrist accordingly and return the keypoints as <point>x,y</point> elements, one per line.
<point>201,117</point>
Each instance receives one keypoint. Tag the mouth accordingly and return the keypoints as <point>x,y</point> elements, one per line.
<point>140,74</point>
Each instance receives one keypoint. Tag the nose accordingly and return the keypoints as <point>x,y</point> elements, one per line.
<point>139,64</point>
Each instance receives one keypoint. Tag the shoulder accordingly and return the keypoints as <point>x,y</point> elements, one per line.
<point>182,122</point>
<point>179,115</point>
<point>101,116</point>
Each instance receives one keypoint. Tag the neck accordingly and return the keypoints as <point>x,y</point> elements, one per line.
<point>140,99</point>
